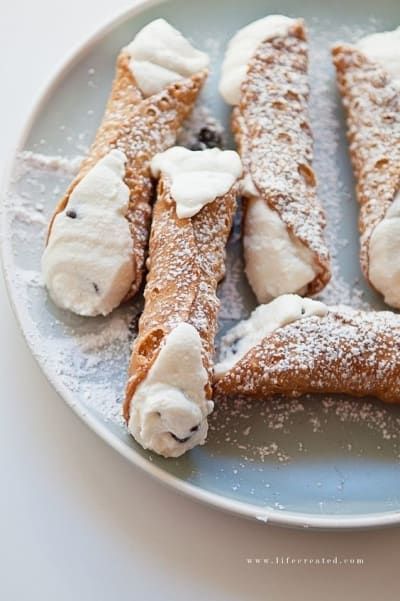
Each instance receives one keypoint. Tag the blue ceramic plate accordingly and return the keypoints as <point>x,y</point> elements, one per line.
<point>318,462</point>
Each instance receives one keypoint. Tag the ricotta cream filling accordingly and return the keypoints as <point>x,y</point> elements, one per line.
<point>264,320</point>
<point>242,48</point>
<point>384,255</point>
<point>197,177</point>
<point>383,48</point>
<point>168,412</point>
<point>276,263</point>
<point>160,56</point>
<point>88,264</point>
<point>384,245</point>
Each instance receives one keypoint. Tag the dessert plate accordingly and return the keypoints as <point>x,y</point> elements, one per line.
<point>316,462</point>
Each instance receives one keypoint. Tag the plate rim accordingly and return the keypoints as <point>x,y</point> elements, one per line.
<point>266,515</point>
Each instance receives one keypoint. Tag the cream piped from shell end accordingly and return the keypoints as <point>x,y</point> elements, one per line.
<point>276,262</point>
<point>264,320</point>
<point>169,409</point>
<point>88,265</point>
<point>197,177</point>
<point>242,47</point>
<point>384,49</point>
<point>160,56</point>
<point>384,254</point>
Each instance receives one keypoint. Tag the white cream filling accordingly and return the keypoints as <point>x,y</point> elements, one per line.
<point>88,264</point>
<point>383,48</point>
<point>168,412</point>
<point>384,255</point>
<point>197,177</point>
<point>242,48</point>
<point>276,263</point>
<point>265,319</point>
<point>160,56</point>
<point>384,245</point>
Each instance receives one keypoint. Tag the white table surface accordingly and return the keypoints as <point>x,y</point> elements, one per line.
<point>77,522</point>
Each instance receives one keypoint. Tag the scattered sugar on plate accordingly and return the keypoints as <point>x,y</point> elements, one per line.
<point>28,161</point>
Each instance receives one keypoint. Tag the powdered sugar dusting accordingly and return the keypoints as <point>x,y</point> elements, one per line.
<point>116,331</point>
<point>28,160</point>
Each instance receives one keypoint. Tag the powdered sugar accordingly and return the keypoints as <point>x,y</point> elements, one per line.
<point>310,417</point>
<point>116,331</point>
<point>28,160</point>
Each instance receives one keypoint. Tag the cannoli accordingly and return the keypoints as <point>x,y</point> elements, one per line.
<point>95,253</point>
<point>368,75</point>
<point>264,76</point>
<point>294,346</point>
<point>169,393</point>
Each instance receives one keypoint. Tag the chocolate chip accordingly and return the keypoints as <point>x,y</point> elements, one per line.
<point>303,311</point>
<point>71,214</point>
<point>95,286</point>
<point>195,428</point>
<point>133,324</point>
<point>179,439</point>
<point>210,137</point>
<point>197,146</point>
